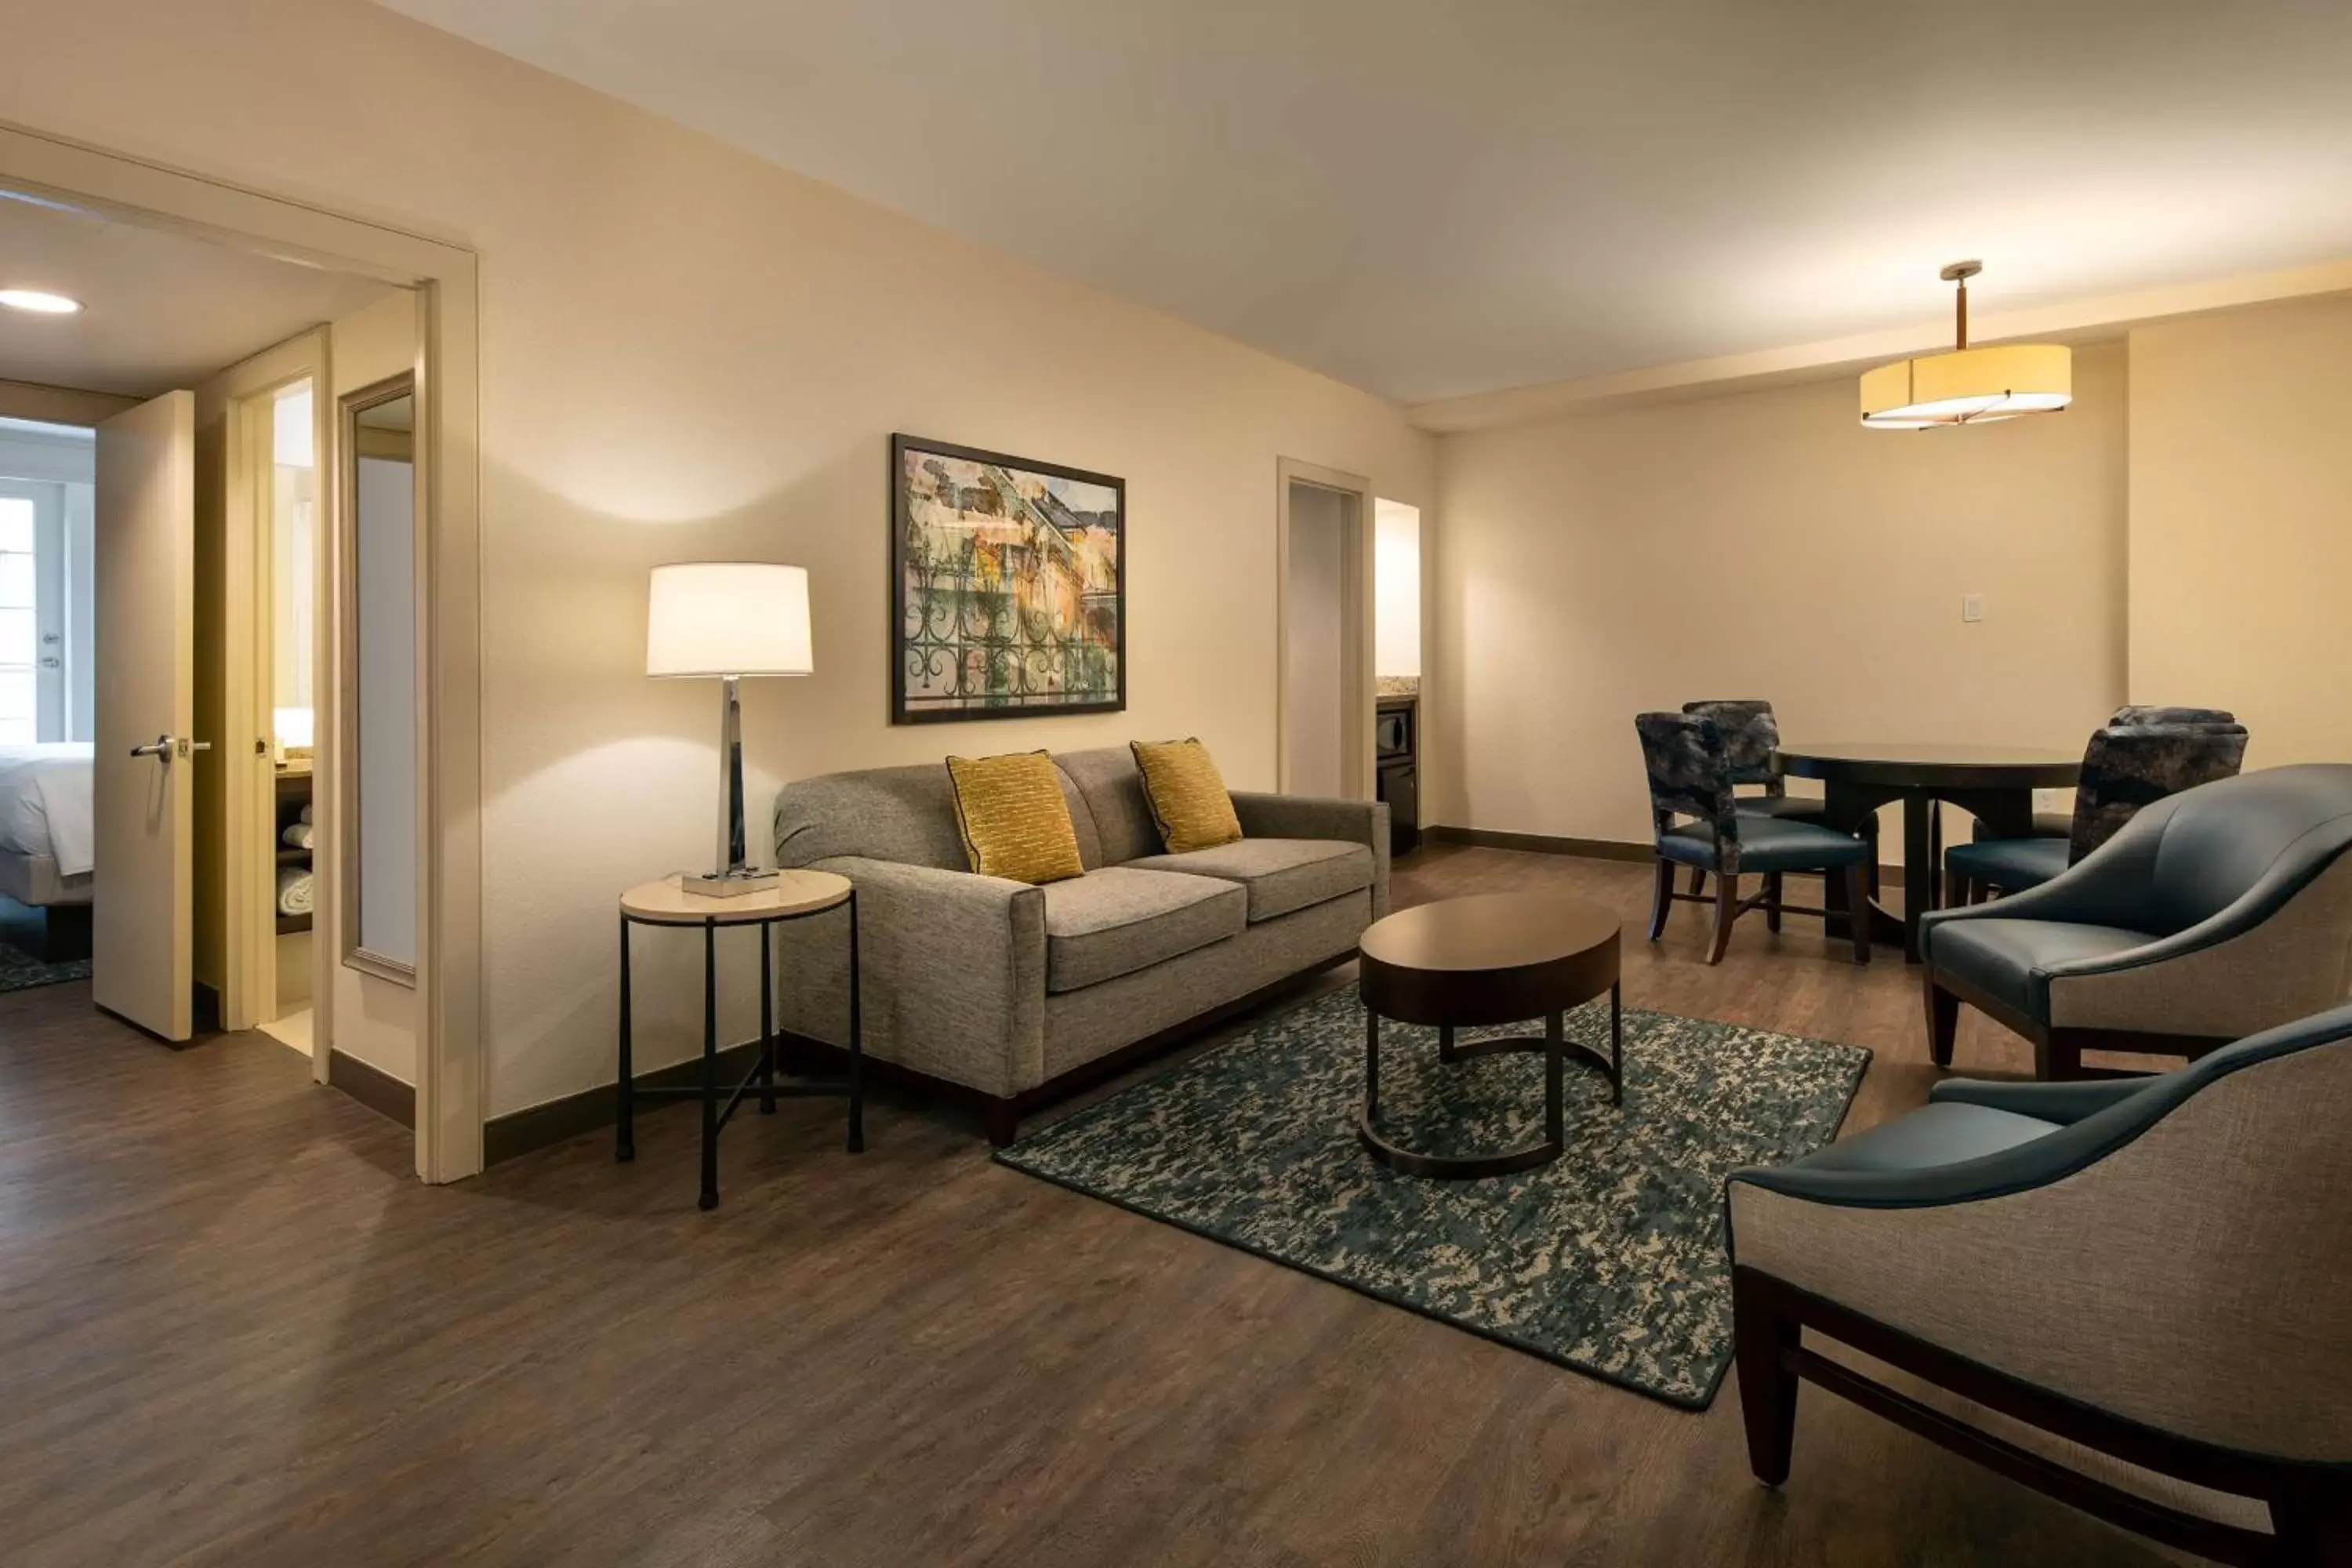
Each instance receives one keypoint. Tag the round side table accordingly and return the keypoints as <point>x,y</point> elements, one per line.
<point>1494,958</point>
<point>796,895</point>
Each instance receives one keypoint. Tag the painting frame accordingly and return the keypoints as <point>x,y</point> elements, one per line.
<point>972,709</point>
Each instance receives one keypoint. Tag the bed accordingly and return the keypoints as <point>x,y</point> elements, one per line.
<point>45,847</point>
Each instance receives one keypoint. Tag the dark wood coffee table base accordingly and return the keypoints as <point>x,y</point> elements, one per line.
<point>1558,1050</point>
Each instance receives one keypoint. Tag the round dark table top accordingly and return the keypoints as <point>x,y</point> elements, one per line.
<point>1490,958</point>
<point>1932,764</point>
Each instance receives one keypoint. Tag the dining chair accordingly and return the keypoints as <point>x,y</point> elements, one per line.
<point>2214,913</point>
<point>1689,771</point>
<point>1751,734</point>
<point>2061,823</point>
<point>2147,1273</point>
<point>2124,769</point>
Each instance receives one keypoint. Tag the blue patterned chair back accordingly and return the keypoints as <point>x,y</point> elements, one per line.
<point>1750,736</point>
<point>1690,773</point>
<point>2129,767</point>
<point>2144,714</point>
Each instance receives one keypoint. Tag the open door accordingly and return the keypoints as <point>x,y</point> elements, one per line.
<point>142,925</point>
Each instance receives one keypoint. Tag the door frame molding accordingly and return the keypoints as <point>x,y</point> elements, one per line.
<point>1356,684</point>
<point>450,1061</point>
<point>241,397</point>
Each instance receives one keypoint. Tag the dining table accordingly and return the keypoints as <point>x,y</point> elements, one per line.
<point>1992,784</point>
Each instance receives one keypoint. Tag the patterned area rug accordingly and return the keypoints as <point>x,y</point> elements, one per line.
<point>1609,1260</point>
<point>20,971</point>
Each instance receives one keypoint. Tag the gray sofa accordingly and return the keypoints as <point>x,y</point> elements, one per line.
<point>1016,995</point>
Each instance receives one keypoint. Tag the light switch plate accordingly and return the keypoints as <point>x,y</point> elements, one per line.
<point>1972,606</point>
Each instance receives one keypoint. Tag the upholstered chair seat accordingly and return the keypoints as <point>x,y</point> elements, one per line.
<point>2061,823</point>
<point>2124,767</point>
<point>1766,844</point>
<point>2151,1269</point>
<point>2212,914</point>
<point>2015,864</point>
<point>1690,775</point>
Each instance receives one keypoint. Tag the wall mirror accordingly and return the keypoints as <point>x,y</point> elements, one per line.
<point>379,720</point>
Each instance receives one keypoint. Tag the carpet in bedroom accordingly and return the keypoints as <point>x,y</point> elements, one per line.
<point>20,971</point>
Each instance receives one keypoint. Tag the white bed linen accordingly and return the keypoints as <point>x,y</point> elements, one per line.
<point>45,802</point>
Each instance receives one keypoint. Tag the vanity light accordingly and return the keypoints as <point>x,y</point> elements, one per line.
<point>40,301</point>
<point>1968,386</point>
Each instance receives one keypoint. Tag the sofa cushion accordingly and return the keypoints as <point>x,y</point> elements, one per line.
<point>1119,920</point>
<point>1187,795</point>
<point>1014,822</point>
<point>2011,959</point>
<point>1280,875</point>
<point>1112,787</point>
<point>905,815</point>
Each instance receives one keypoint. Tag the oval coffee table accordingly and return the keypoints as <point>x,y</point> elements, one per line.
<point>1494,958</point>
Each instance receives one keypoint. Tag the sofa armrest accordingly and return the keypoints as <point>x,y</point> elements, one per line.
<point>1366,822</point>
<point>953,972</point>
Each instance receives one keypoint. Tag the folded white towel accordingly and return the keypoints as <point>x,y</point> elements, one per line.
<point>295,891</point>
<point>307,808</point>
<point>299,834</point>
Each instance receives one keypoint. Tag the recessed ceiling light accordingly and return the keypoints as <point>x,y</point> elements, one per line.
<point>41,301</point>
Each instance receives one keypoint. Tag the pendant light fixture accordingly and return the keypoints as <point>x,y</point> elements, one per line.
<point>1968,386</point>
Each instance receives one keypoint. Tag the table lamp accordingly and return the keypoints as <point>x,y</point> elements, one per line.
<point>728,619</point>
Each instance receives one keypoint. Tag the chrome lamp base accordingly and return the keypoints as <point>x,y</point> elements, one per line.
<point>733,879</point>
<point>728,884</point>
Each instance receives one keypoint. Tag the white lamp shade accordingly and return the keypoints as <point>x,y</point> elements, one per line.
<point>727,617</point>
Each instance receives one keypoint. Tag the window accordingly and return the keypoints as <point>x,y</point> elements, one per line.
<point>20,632</point>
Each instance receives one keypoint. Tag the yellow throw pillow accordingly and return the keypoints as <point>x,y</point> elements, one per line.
<point>1187,795</point>
<point>1013,819</point>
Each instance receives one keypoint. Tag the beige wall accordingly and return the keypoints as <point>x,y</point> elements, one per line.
<point>2242,522</point>
<point>1764,545</point>
<point>689,353</point>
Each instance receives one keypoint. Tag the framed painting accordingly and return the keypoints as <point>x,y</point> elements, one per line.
<point>1008,586</point>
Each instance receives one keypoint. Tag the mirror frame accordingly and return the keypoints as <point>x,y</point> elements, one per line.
<point>348,868</point>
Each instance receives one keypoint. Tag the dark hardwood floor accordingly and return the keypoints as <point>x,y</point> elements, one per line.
<point>234,1330</point>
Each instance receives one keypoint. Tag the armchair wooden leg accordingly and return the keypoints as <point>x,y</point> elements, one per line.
<point>1761,1335</point>
<point>1772,901</point>
<point>1664,900</point>
<point>2313,1520</point>
<point>1857,882</point>
<point>2058,1057</point>
<point>1943,1021</point>
<point>1698,883</point>
<point>1957,893</point>
<point>1726,909</point>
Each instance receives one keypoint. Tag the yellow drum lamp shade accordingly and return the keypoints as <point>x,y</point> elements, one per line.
<point>1968,386</point>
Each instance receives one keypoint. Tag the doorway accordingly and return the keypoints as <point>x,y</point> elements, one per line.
<point>1324,708</point>
<point>436,1015</point>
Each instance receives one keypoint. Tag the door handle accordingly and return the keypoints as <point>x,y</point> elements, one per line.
<point>165,747</point>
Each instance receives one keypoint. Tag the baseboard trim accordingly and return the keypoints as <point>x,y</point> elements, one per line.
<point>519,1133</point>
<point>373,1088</point>
<point>1586,849</point>
<point>1541,843</point>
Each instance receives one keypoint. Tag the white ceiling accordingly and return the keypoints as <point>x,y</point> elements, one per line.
<point>1433,197</point>
<point>160,309</point>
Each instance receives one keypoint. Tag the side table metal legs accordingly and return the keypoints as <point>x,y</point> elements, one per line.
<point>857,1041</point>
<point>710,1064</point>
<point>720,1105</point>
<point>625,1138</point>
<point>1556,1049</point>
